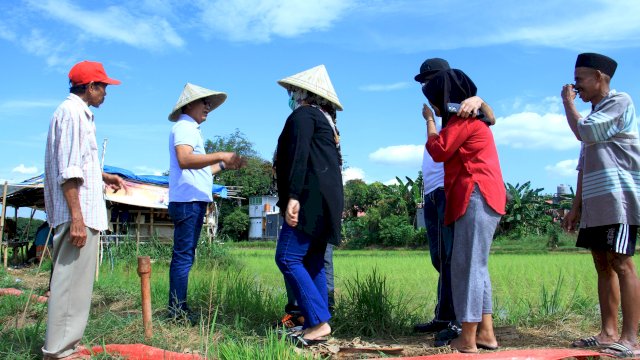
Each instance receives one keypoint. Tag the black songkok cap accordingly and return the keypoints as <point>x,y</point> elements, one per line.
<point>599,62</point>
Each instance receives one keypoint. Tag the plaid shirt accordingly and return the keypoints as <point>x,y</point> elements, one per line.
<point>72,153</point>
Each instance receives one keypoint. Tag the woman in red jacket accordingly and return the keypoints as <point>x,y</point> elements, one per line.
<point>476,199</point>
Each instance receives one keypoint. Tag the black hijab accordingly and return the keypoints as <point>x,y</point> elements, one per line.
<point>448,86</point>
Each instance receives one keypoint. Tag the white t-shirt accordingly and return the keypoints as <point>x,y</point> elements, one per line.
<point>432,172</point>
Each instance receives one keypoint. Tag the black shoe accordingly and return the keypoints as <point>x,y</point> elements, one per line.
<point>444,337</point>
<point>432,326</point>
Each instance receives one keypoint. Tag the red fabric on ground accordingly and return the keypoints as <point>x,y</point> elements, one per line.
<point>140,352</point>
<point>16,292</point>
<point>527,354</point>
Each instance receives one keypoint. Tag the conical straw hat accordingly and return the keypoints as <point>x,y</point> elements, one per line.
<point>191,93</point>
<point>315,80</point>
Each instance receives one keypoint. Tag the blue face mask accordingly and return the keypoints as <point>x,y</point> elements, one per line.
<point>292,103</point>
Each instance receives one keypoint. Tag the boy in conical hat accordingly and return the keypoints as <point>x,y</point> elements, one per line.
<point>191,172</point>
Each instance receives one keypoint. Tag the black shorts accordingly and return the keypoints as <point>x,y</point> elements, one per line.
<point>618,238</point>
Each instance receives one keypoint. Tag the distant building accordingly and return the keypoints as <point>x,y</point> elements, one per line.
<point>264,217</point>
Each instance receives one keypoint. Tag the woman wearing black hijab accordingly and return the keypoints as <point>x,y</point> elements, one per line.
<point>476,199</point>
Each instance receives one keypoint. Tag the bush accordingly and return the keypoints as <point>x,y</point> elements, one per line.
<point>361,232</point>
<point>369,308</point>
<point>236,224</point>
<point>419,238</point>
<point>396,231</point>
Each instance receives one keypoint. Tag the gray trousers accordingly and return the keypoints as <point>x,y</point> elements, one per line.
<point>470,282</point>
<point>71,287</point>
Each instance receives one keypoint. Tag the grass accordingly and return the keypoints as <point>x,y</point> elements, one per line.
<point>239,292</point>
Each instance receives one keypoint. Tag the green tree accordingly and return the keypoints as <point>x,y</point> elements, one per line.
<point>356,194</point>
<point>526,212</point>
<point>236,223</point>
<point>255,178</point>
<point>412,194</point>
<point>236,142</point>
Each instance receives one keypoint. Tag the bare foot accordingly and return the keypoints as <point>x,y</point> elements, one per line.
<point>459,345</point>
<point>486,340</point>
<point>317,332</point>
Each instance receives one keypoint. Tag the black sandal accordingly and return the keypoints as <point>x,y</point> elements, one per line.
<point>299,340</point>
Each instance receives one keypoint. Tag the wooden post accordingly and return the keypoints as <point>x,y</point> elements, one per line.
<point>2,216</point>
<point>98,256</point>
<point>144,271</point>
<point>138,230</point>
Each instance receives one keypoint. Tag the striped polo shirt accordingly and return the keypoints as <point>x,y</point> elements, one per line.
<point>610,163</point>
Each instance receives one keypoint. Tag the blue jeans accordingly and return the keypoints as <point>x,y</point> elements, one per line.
<point>187,220</point>
<point>440,247</point>
<point>301,261</point>
<point>292,304</point>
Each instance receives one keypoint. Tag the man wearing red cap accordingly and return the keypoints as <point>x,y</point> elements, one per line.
<point>606,202</point>
<point>75,208</point>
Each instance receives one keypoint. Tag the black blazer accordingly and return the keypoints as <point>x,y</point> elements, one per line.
<point>308,169</point>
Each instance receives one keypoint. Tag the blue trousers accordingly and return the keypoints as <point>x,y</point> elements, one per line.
<point>301,261</point>
<point>292,304</point>
<point>187,220</point>
<point>440,248</point>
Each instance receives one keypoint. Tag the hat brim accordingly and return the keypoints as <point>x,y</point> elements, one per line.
<point>425,76</point>
<point>289,86</point>
<point>215,100</point>
<point>111,81</point>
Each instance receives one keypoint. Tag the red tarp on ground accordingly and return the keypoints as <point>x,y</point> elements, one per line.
<point>528,354</point>
<point>140,352</point>
<point>16,292</point>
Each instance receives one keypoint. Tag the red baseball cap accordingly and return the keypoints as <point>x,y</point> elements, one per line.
<point>87,71</point>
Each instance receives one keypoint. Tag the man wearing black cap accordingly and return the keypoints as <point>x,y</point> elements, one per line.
<point>606,202</point>
<point>440,236</point>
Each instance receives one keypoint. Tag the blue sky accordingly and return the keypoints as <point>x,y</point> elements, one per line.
<point>518,53</point>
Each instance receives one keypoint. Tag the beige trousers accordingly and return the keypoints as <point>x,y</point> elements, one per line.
<point>71,288</point>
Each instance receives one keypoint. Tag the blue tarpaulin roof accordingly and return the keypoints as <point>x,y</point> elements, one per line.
<point>219,190</point>
<point>30,193</point>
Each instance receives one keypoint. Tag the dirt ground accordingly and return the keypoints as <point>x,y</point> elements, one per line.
<point>509,338</point>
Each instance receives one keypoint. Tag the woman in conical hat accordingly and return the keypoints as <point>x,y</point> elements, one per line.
<point>309,179</point>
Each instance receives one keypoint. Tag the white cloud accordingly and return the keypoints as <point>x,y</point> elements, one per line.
<point>403,155</point>
<point>606,24</point>
<point>352,173</point>
<point>260,20</point>
<point>550,104</point>
<point>21,169</point>
<point>564,168</point>
<point>114,23</point>
<point>54,52</point>
<point>6,33</point>
<point>385,87</point>
<point>569,24</point>
<point>393,181</point>
<point>530,130</point>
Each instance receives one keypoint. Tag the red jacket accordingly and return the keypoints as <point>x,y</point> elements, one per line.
<point>467,148</point>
